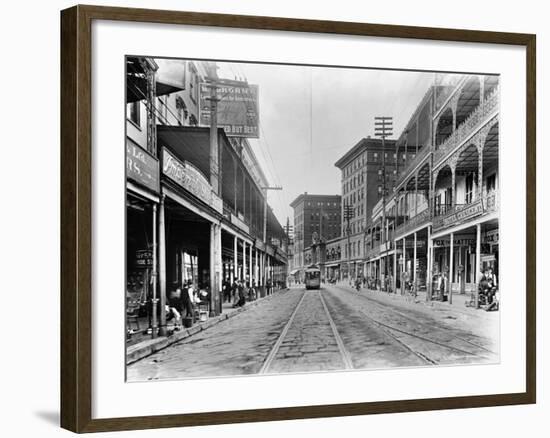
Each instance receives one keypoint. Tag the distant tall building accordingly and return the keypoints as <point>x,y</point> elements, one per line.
<point>317,218</point>
<point>363,186</point>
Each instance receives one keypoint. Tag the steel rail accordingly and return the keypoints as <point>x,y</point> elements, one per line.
<point>387,327</point>
<point>280,339</point>
<point>348,364</point>
<point>481,347</point>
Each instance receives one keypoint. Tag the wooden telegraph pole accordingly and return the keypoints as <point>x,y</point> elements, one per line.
<point>348,214</point>
<point>383,127</point>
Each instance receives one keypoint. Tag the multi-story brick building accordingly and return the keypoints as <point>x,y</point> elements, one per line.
<point>317,218</point>
<point>368,170</point>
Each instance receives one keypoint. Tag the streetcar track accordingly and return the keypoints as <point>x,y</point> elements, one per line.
<point>389,327</point>
<point>280,339</point>
<point>384,330</point>
<point>424,325</point>
<point>345,355</point>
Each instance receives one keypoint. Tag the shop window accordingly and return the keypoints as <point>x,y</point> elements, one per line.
<point>491,182</point>
<point>133,113</point>
<point>469,188</point>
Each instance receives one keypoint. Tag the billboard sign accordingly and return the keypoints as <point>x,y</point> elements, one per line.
<point>238,107</point>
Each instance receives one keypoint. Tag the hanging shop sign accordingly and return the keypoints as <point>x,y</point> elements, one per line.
<point>141,167</point>
<point>144,258</point>
<point>458,240</point>
<point>237,103</point>
<point>191,179</point>
<point>491,237</point>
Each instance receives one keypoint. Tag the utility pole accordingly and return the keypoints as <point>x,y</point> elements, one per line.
<point>215,182</point>
<point>383,127</point>
<point>264,190</point>
<point>348,214</point>
<point>288,231</point>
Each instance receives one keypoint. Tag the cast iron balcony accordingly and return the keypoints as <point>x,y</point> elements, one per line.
<point>469,126</point>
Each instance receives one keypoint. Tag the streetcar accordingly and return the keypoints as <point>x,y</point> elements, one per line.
<point>313,277</point>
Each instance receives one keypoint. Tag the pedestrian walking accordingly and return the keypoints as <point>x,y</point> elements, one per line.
<point>174,307</point>
<point>226,291</point>
<point>241,300</point>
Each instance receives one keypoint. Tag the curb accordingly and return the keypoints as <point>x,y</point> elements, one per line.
<point>434,304</point>
<point>146,348</point>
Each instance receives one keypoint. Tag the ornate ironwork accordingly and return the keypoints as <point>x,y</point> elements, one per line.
<point>406,173</point>
<point>421,218</point>
<point>471,124</point>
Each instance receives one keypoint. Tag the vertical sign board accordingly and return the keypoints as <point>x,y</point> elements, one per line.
<point>238,107</point>
<point>141,167</point>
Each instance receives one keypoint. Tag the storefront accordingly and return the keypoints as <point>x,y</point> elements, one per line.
<point>489,249</point>
<point>139,259</point>
<point>142,188</point>
<point>463,272</point>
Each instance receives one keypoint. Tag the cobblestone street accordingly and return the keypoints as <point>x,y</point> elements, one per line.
<point>331,329</point>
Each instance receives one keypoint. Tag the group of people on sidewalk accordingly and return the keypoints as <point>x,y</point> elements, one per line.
<point>487,288</point>
<point>239,292</point>
<point>185,300</point>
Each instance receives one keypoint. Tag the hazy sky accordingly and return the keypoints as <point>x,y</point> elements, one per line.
<point>311,116</point>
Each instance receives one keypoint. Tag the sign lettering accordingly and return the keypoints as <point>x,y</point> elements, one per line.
<point>141,167</point>
<point>191,179</point>
<point>238,105</point>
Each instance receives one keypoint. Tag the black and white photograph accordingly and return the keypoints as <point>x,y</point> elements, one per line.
<point>285,218</point>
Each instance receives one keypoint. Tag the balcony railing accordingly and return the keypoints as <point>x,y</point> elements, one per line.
<point>373,252</point>
<point>420,219</point>
<point>405,173</point>
<point>468,126</point>
<point>461,213</point>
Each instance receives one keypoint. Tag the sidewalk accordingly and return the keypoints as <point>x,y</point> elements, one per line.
<point>458,305</point>
<point>144,345</point>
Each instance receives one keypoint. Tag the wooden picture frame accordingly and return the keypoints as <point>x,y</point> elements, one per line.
<point>76,217</point>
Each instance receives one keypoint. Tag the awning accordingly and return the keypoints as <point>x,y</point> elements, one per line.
<point>294,271</point>
<point>136,81</point>
<point>137,88</point>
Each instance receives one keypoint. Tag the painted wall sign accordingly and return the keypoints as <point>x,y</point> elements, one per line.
<point>191,179</point>
<point>141,167</point>
<point>238,107</point>
<point>458,240</point>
